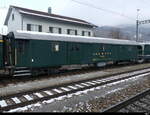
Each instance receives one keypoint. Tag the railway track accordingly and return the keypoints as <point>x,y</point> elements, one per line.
<point>26,98</point>
<point>137,103</point>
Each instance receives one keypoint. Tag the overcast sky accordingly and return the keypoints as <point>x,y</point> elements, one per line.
<point>99,12</point>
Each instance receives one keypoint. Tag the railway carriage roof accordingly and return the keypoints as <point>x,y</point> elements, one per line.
<point>69,38</point>
<point>146,43</point>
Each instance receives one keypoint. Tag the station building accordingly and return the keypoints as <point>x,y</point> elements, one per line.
<point>19,18</point>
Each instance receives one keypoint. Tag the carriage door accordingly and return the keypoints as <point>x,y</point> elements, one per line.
<point>22,58</point>
<point>74,54</point>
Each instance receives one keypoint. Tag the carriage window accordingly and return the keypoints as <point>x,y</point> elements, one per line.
<point>75,48</point>
<point>55,47</point>
<point>72,48</point>
<point>22,45</point>
<point>129,48</point>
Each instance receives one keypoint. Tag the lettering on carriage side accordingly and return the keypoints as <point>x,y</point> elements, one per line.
<point>1,41</point>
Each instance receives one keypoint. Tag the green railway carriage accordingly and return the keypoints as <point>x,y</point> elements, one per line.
<point>147,49</point>
<point>146,53</point>
<point>1,52</point>
<point>43,50</point>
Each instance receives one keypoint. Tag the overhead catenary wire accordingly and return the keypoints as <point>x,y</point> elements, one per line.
<point>103,9</point>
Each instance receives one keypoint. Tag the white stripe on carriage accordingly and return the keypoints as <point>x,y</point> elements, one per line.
<point>39,95</point>
<point>29,98</point>
<point>16,100</point>
<point>48,92</point>
<point>3,103</point>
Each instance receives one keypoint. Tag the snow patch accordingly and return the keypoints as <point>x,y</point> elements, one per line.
<point>28,97</point>
<point>3,103</point>
<point>16,100</point>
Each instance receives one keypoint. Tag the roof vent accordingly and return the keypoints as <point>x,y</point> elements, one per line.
<point>49,10</point>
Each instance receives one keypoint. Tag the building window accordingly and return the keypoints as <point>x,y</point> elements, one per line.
<point>28,27</point>
<point>83,33</point>
<point>76,32</point>
<point>13,17</point>
<point>60,31</point>
<point>89,33</point>
<point>33,27</point>
<point>75,48</point>
<point>72,32</point>
<point>86,33</point>
<point>55,30</point>
<point>40,28</point>
<point>51,29</point>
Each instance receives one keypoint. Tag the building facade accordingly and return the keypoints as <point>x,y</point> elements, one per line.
<point>30,20</point>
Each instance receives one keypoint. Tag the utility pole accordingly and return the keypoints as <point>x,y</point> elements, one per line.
<point>137,25</point>
<point>5,3</point>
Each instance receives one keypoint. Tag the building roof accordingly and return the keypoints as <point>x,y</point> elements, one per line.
<point>19,34</point>
<point>46,15</point>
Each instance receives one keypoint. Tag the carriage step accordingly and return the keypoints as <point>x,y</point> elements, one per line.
<point>26,74</point>
<point>22,71</point>
<point>21,68</point>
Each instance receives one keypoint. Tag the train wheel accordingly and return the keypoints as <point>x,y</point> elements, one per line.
<point>140,61</point>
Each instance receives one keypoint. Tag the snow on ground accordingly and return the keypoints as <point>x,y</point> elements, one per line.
<point>79,93</point>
